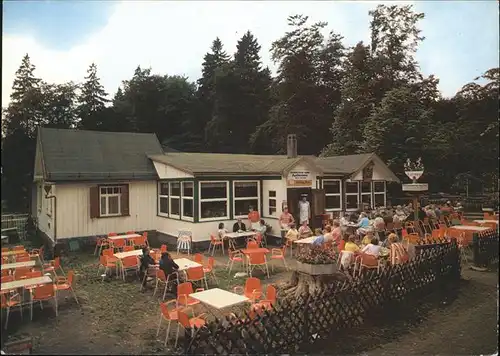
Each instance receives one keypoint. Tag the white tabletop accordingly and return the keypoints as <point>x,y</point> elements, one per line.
<point>219,298</point>
<point>119,237</point>
<point>467,227</point>
<point>26,282</point>
<point>234,235</point>
<point>121,255</point>
<point>307,240</point>
<point>18,265</point>
<point>185,263</point>
<point>486,221</point>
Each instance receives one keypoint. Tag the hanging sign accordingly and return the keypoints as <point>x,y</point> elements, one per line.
<point>299,179</point>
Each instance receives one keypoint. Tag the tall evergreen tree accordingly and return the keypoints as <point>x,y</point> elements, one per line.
<point>92,101</point>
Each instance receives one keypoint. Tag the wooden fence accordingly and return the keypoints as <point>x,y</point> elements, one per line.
<point>485,248</point>
<point>296,325</point>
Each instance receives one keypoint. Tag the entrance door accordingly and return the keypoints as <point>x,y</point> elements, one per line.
<point>294,195</point>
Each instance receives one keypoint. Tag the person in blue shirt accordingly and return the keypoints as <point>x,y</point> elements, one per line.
<point>363,224</point>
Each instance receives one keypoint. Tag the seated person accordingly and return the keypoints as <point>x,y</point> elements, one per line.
<point>168,266</point>
<point>368,237</point>
<point>292,234</point>
<point>239,225</point>
<point>304,230</point>
<point>221,232</point>
<point>350,245</point>
<point>262,227</point>
<point>286,219</point>
<point>372,248</point>
<point>145,262</point>
<point>336,232</point>
<point>362,224</point>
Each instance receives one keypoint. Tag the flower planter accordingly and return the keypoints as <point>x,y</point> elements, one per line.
<point>316,270</point>
<point>414,175</point>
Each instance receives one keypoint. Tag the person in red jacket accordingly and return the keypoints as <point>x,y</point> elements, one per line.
<point>254,218</point>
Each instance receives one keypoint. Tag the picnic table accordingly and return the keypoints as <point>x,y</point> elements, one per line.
<point>15,265</point>
<point>468,231</point>
<point>185,263</point>
<point>217,300</point>
<point>26,282</point>
<point>119,237</point>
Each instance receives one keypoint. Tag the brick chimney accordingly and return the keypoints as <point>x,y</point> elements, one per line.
<point>291,146</point>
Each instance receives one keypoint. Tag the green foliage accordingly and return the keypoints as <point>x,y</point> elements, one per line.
<point>337,100</point>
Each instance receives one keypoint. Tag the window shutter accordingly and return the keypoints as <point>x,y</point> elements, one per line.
<point>125,201</point>
<point>94,202</point>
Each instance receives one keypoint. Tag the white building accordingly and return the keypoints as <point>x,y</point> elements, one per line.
<point>101,182</point>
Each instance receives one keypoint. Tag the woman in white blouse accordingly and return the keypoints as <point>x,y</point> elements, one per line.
<point>372,248</point>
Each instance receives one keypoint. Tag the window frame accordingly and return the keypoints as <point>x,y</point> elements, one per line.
<point>351,194</point>
<point>160,196</point>
<point>183,197</point>
<point>170,197</point>
<point>275,199</point>
<point>201,200</point>
<point>107,196</point>
<point>384,193</point>
<point>370,193</point>
<point>333,194</point>
<point>256,208</point>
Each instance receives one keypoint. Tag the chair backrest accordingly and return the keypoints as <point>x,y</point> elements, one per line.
<point>130,261</point>
<point>160,274</point>
<point>251,284</point>
<point>119,243</point>
<point>71,277</point>
<point>164,310</point>
<point>57,262</point>
<point>257,258</point>
<point>21,272</point>
<point>23,258</point>
<point>128,248</point>
<point>271,293</point>
<point>198,258</point>
<point>130,232</point>
<point>252,244</point>
<point>163,248</point>
<point>6,279</point>
<point>211,262</point>
<point>183,319</point>
<point>185,288</point>
<point>195,273</point>
<point>112,234</point>
<point>34,274</point>
<point>43,291</point>
<point>367,260</point>
<point>108,252</point>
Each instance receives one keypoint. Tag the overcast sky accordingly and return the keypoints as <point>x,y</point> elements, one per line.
<point>64,37</point>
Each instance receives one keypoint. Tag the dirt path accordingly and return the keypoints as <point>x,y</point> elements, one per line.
<point>467,327</point>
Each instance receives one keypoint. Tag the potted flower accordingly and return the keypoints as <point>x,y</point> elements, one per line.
<point>316,260</point>
<point>414,170</point>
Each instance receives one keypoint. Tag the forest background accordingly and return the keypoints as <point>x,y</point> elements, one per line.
<point>337,99</point>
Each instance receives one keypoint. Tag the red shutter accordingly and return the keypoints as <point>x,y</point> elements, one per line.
<point>94,202</point>
<point>125,201</point>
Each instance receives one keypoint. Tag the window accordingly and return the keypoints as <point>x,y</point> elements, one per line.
<point>246,195</point>
<point>379,193</point>
<point>333,195</point>
<point>175,200</point>
<point>272,202</point>
<point>163,199</point>
<point>110,201</point>
<point>213,201</point>
<point>187,200</point>
<point>366,194</point>
<point>351,195</point>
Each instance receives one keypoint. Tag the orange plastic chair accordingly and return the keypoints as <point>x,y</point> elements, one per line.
<point>234,256</point>
<point>41,294</point>
<point>163,248</point>
<point>21,273</point>
<point>112,234</point>
<point>101,243</point>
<point>66,284</point>
<point>183,292</point>
<point>268,302</point>
<point>252,289</point>
<point>196,274</point>
<point>161,278</point>
<point>210,269</point>
<point>130,263</point>
<point>279,254</point>
<point>252,244</point>
<point>214,242</point>
<point>33,274</point>
<point>367,261</point>
<point>109,252</point>
<point>104,261</point>
<point>10,302</point>
<point>198,258</point>
<point>188,323</point>
<point>23,258</point>
<point>53,266</point>
<point>140,241</point>
<point>258,260</point>
<point>128,248</point>
<point>119,244</point>
<point>168,316</point>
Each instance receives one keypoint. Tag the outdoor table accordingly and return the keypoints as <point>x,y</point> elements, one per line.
<point>248,251</point>
<point>457,230</point>
<point>119,237</point>
<point>13,252</point>
<point>121,255</point>
<point>486,221</point>
<point>185,263</point>
<point>18,265</point>
<point>217,299</point>
<point>307,240</point>
<point>26,282</point>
